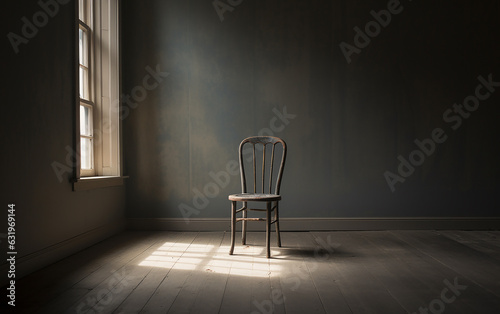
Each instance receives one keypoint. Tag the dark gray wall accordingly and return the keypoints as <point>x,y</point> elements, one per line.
<point>352,120</point>
<point>37,124</point>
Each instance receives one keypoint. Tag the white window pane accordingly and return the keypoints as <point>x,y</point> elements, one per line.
<point>81,83</point>
<point>83,40</point>
<point>86,153</point>
<point>80,45</point>
<point>85,121</point>
<point>84,83</point>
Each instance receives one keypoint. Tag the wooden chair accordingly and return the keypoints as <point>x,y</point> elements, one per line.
<point>265,190</point>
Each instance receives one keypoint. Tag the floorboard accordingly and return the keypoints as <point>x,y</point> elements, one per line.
<point>461,265</point>
<point>364,292</point>
<point>414,280</point>
<point>299,290</point>
<point>163,256</point>
<point>313,272</point>
<point>481,241</point>
<point>199,257</point>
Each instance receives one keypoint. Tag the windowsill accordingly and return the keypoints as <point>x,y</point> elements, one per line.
<point>90,183</point>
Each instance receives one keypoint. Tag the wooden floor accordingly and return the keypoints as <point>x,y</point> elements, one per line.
<point>314,272</point>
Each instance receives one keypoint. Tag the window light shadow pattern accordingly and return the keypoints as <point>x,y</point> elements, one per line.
<point>251,261</point>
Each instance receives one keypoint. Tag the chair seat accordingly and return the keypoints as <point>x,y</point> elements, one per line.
<point>244,197</point>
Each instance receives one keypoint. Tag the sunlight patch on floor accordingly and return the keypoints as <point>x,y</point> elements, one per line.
<point>250,261</point>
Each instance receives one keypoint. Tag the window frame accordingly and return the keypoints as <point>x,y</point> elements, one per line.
<point>104,90</point>
<point>86,98</point>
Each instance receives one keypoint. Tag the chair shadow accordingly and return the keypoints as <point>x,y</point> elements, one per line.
<point>299,253</point>
<point>294,253</point>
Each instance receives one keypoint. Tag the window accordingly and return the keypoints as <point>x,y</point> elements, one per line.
<point>86,82</point>
<point>98,103</point>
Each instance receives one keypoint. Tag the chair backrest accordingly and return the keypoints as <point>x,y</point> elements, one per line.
<point>267,170</point>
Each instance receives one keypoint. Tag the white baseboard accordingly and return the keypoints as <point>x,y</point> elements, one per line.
<point>322,224</point>
<point>32,262</point>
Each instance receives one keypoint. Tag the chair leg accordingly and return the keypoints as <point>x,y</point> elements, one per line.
<point>244,226</point>
<point>268,230</point>
<point>233,226</point>
<point>277,223</point>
